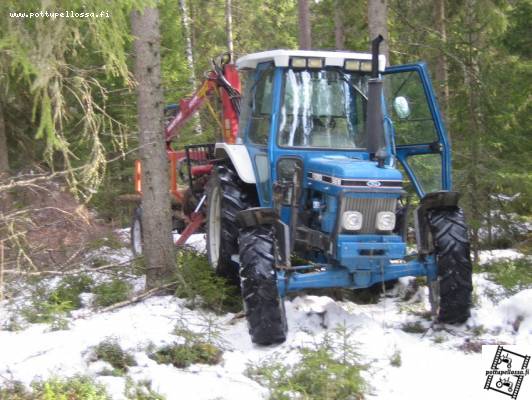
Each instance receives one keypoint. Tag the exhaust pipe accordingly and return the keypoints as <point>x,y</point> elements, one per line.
<point>375,44</point>
<point>374,116</point>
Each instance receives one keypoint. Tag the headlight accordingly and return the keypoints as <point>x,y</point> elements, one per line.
<point>352,220</point>
<point>302,62</point>
<point>358,65</point>
<point>298,62</point>
<point>385,221</point>
<point>315,63</point>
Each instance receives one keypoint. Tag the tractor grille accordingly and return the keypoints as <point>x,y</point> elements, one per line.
<point>369,207</point>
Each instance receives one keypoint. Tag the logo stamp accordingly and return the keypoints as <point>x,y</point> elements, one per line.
<point>373,183</point>
<point>507,372</point>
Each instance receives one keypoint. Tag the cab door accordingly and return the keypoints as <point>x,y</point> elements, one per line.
<point>418,132</point>
<point>256,125</point>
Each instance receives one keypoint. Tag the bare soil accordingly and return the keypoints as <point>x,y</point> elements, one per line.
<point>46,227</point>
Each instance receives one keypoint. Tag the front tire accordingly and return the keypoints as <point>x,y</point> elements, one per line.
<point>452,251</point>
<point>263,306</point>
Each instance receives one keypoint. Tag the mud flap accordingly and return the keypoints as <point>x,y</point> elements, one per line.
<point>267,216</point>
<point>434,200</point>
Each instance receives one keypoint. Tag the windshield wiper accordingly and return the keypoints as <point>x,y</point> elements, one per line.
<point>352,85</point>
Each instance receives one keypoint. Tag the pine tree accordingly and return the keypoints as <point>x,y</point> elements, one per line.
<point>158,246</point>
<point>4,157</point>
<point>305,41</point>
<point>378,24</point>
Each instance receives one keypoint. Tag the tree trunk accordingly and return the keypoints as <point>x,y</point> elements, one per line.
<point>305,42</point>
<point>185,20</point>
<point>339,32</point>
<point>476,128</point>
<point>378,25</point>
<point>156,218</point>
<point>229,27</point>
<point>4,159</point>
<point>441,75</point>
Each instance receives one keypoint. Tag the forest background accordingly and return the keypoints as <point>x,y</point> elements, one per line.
<point>68,100</point>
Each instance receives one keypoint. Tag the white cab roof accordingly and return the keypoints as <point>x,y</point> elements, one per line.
<point>281,58</point>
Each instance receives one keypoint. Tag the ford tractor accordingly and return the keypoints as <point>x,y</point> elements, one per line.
<point>319,150</point>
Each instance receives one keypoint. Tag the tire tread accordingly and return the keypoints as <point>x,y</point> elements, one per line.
<point>234,199</point>
<point>451,243</point>
<point>263,306</point>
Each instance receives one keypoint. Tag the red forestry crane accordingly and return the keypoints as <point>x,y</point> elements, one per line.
<point>222,81</point>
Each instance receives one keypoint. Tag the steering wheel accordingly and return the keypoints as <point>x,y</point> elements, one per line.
<point>324,122</point>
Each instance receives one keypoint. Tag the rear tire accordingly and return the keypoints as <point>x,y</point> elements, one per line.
<point>136,232</point>
<point>226,197</point>
<point>263,306</point>
<point>452,250</point>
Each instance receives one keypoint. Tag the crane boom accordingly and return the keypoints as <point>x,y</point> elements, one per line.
<point>222,79</point>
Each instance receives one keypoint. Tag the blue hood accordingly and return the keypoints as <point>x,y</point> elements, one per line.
<point>351,168</point>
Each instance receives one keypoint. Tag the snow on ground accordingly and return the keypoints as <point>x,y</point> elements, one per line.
<point>434,363</point>
<point>196,241</point>
<point>489,256</point>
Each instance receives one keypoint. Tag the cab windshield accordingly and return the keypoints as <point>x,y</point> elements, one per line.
<point>323,109</point>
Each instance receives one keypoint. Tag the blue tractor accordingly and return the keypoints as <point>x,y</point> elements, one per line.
<point>328,142</point>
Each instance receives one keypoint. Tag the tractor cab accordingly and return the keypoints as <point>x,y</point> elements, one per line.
<point>311,108</point>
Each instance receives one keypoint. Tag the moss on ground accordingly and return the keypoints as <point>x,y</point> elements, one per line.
<point>111,352</point>
<point>75,388</point>
<point>203,287</point>
<point>512,275</point>
<point>112,292</point>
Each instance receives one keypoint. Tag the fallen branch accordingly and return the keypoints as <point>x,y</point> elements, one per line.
<point>235,318</point>
<point>24,181</point>
<point>137,298</point>
<point>2,270</point>
<point>63,273</point>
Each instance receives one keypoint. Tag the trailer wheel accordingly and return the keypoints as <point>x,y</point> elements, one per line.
<point>226,197</point>
<point>263,306</point>
<point>451,243</point>
<point>136,232</point>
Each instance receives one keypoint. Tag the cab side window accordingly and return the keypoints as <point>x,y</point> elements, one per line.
<point>409,109</point>
<point>416,136</point>
<point>261,109</point>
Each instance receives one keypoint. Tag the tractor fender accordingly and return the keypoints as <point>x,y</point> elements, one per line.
<point>239,156</point>
<point>435,200</point>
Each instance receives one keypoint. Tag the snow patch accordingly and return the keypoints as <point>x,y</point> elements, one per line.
<point>490,256</point>
<point>377,328</point>
<point>196,241</point>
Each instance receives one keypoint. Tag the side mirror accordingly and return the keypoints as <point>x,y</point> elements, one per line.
<point>401,107</point>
